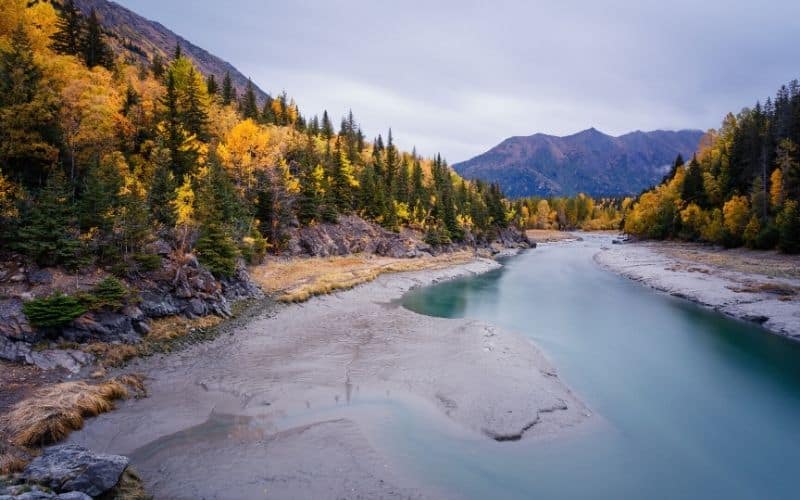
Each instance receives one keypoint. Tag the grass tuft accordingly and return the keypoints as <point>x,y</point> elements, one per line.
<point>54,411</point>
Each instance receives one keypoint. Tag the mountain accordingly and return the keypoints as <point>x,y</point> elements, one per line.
<point>140,39</point>
<point>588,162</point>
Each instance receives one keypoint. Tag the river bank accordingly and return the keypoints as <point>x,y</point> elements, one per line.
<point>288,403</point>
<point>762,287</point>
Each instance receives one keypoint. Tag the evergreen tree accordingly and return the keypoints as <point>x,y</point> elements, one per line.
<point>267,115</point>
<point>95,50</point>
<point>48,234</point>
<point>788,222</point>
<point>310,196</point>
<point>693,191</point>
<point>342,181</point>
<point>162,189</point>
<point>249,105</point>
<point>327,126</point>
<point>228,91</point>
<point>216,250</point>
<point>195,116</point>
<point>178,52</point>
<point>68,38</point>
<point>212,87</point>
<point>157,66</point>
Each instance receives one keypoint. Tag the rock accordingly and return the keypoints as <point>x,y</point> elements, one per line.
<point>72,468</point>
<point>104,326</point>
<point>14,324</point>
<point>159,247</point>
<point>35,493</point>
<point>40,277</point>
<point>616,242</point>
<point>70,359</point>
<point>17,278</point>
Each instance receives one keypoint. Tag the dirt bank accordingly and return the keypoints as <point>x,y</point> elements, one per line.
<point>290,405</point>
<point>763,287</point>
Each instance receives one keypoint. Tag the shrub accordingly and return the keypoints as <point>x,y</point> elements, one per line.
<point>110,292</point>
<point>147,261</point>
<point>254,247</point>
<point>54,311</point>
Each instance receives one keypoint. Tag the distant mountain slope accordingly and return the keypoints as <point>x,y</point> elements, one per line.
<point>590,162</point>
<point>141,39</point>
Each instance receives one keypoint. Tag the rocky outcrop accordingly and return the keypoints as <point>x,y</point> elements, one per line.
<point>67,472</point>
<point>353,234</point>
<point>178,287</point>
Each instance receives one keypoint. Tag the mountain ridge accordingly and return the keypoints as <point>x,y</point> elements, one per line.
<point>588,161</point>
<point>141,38</point>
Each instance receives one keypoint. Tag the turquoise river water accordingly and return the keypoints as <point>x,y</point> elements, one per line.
<point>693,404</point>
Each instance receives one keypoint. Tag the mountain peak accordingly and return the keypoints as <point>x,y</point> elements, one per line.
<point>588,161</point>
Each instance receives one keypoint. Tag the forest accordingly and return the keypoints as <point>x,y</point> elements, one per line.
<point>741,188</point>
<point>100,155</point>
<point>569,213</point>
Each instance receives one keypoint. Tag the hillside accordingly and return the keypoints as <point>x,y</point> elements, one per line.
<point>590,162</point>
<point>142,38</point>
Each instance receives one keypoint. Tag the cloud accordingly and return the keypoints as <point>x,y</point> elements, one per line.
<point>457,77</point>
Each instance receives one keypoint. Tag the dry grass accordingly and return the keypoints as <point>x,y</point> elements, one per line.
<point>54,411</point>
<point>783,291</point>
<point>11,464</point>
<point>111,354</point>
<point>172,327</point>
<point>548,235</point>
<point>764,262</point>
<point>297,280</point>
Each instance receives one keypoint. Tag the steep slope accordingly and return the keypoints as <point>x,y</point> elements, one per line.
<point>141,39</point>
<point>590,162</point>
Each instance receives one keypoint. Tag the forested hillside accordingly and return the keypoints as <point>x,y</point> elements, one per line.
<point>101,154</point>
<point>742,188</point>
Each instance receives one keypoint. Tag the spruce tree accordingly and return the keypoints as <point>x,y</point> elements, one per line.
<point>249,104</point>
<point>96,51</point>
<point>327,126</point>
<point>68,38</point>
<point>212,87</point>
<point>267,115</point>
<point>228,91</point>
<point>157,66</point>
<point>342,181</point>
<point>216,250</point>
<point>195,116</point>
<point>49,231</point>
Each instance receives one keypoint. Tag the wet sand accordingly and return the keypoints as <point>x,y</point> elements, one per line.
<point>295,405</point>
<point>762,293</point>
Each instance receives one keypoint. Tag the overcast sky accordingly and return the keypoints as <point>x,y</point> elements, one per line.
<point>457,77</point>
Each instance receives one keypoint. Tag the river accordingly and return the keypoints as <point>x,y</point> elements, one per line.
<point>691,404</point>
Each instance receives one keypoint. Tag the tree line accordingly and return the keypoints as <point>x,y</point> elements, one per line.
<point>571,212</point>
<point>100,155</point>
<point>741,188</point>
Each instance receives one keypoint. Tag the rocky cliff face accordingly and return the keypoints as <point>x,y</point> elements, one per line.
<point>590,162</point>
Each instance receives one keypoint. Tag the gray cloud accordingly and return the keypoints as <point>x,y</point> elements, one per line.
<point>457,77</point>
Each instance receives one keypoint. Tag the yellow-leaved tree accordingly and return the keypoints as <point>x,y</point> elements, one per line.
<point>183,207</point>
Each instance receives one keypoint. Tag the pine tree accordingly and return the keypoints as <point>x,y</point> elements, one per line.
<point>195,117</point>
<point>228,91</point>
<point>95,50</point>
<point>342,181</point>
<point>267,115</point>
<point>157,66</point>
<point>178,52</point>
<point>48,234</point>
<point>68,38</point>
<point>310,196</point>
<point>216,250</point>
<point>249,104</point>
<point>693,191</point>
<point>162,189</point>
<point>212,87</point>
<point>788,222</point>
<point>327,126</point>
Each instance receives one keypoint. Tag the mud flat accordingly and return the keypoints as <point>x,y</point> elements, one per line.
<point>753,286</point>
<point>292,405</point>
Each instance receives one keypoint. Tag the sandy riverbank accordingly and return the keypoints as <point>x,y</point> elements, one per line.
<point>755,286</point>
<point>290,405</point>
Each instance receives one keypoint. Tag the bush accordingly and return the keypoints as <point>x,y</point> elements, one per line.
<point>55,311</point>
<point>110,292</point>
<point>436,236</point>
<point>148,261</point>
<point>254,247</point>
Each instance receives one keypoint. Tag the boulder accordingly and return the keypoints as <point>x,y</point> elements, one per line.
<point>72,468</point>
<point>14,324</point>
<point>25,492</point>
<point>48,359</point>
